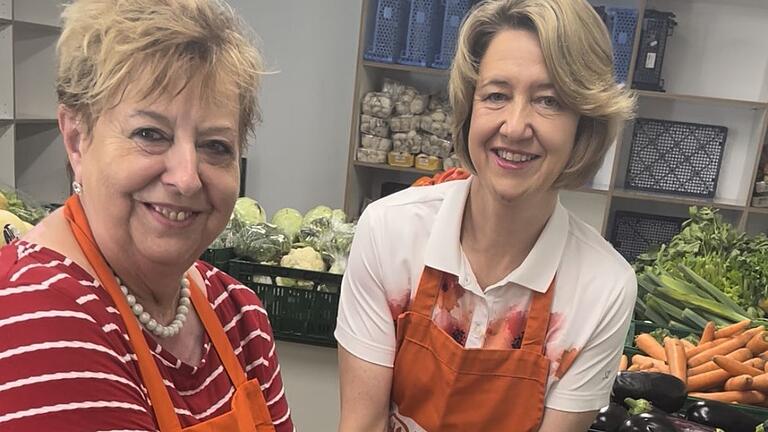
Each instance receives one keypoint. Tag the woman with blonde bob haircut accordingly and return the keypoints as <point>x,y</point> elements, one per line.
<point>108,319</point>
<point>482,303</point>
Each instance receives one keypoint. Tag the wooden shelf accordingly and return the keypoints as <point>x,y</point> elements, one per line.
<point>52,121</point>
<point>754,105</point>
<point>677,199</point>
<point>760,210</point>
<point>405,68</point>
<point>589,190</point>
<point>39,26</point>
<point>385,167</point>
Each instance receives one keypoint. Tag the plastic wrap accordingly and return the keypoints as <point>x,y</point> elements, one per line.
<point>374,126</point>
<point>435,146</point>
<point>371,156</point>
<point>262,242</point>
<point>437,123</point>
<point>451,161</point>
<point>375,143</point>
<point>410,101</point>
<point>378,104</point>
<point>410,142</point>
<point>405,123</point>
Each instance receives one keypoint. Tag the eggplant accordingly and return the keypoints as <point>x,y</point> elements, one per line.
<point>660,422</point>
<point>662,390</point>
<point>722,415</point>
<point>640,406</point>
<point>610,418</point>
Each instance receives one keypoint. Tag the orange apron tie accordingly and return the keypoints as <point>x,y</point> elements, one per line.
<point>249,409</point>
<point>445,387</point>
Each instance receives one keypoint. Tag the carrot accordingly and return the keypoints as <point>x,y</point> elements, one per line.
<point>758,344</point>
<point>732,330</point>
<point>744,397</point>
<point>705,346</point>
<point>741,355</point>
<point>707,380</point>
<point>756,363</point>
<point>677,360</point>
<point>649,345</point>
<point>760,382</point>
<point>623,362</point>
<point>645,360</point>
<point>708,334</point>
<point>724,348</point>
<point>738,383</point>
<point>735,367</point>
<point>687,345</point>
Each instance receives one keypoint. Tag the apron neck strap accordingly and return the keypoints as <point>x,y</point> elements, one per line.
<point>153,381</point>
<point>218,337</point>
<point>537,324</point>
<point>426,294</point>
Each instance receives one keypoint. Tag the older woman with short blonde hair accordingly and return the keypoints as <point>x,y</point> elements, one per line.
<point>108,320</point>
<point>483,304</point>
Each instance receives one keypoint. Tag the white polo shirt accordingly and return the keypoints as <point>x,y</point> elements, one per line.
<point>595,291</point>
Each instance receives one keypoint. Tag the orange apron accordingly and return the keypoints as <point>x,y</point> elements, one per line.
<point>444,387</point>
<point>249,409</point>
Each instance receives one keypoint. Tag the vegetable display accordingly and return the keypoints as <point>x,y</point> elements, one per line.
<point>707,272</point>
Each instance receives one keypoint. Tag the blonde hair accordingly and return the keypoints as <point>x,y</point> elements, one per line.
<point>577,52</point>
<point>106,44</point>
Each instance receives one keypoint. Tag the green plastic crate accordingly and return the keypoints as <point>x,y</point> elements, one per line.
<point>218,258</point>
<point>304,314</point>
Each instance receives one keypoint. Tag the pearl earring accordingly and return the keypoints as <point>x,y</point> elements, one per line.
<point>77,187</point>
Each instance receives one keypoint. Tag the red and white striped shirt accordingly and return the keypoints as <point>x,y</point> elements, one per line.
<point>66,363</point>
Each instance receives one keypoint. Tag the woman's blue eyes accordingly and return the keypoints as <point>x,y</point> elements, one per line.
<point>548,102</point>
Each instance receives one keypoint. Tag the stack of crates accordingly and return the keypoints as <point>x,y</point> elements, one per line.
<point>621,24</point>
<point>414,32</point>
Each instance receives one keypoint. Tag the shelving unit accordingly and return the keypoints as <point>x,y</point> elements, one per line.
<point>32,157</point>
<point>715,72</point>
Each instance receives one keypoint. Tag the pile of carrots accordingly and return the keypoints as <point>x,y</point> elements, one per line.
<point>728,365</point>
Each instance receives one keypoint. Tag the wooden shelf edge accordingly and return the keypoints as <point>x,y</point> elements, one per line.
<point>589,190</point>
<point>675,199</point>
<point>759,210</point>
<point>386,167</point>
<point>50,27</point>
<point>755,105</point>
<point>405,68</point>
<point>44,120</point>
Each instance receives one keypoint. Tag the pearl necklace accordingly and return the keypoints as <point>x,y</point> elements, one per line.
<point>150,323</point>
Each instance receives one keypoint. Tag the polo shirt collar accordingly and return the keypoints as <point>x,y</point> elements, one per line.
<point>443,251</point>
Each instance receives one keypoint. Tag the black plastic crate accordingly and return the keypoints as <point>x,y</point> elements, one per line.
<point>305,314</point>
<point>657,27</point>
<point>637,233</point>
<point>218,258</point>
<point>675,157</point>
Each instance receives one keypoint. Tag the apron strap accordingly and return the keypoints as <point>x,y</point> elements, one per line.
<point>150,374</point>
<point>426,294</point>
<point>537,323</point>
<point>218,337</point>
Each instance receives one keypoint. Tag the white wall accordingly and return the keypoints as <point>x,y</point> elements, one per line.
<point>299,156</point>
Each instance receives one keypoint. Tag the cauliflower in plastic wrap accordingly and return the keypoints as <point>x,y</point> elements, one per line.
<point>262,242</point>
<point>304,258</point>
<point>289,220</point>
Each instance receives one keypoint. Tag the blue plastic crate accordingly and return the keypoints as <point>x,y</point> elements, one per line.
<point>455,10</point>
<point>423,32</point>
<point>386,26</point>
<point>622,23</point>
